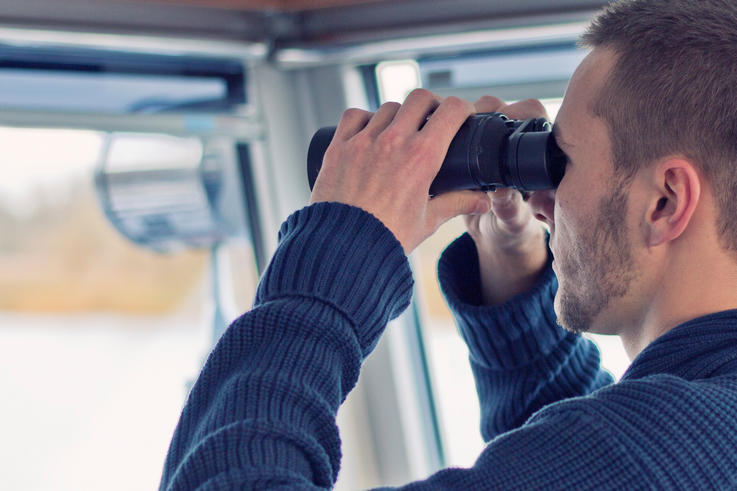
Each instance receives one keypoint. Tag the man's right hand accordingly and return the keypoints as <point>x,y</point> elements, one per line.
<point>509,240</point>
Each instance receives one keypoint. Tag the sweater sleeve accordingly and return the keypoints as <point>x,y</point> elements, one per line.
<point>262,412</point>
<point>521,359</point>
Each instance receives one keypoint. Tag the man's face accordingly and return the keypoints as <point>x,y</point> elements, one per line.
<point>589,232</point>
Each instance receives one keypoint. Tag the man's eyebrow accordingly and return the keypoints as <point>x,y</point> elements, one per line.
<point>558,138</point>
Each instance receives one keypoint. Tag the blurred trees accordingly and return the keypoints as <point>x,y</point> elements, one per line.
<point>64,256</point>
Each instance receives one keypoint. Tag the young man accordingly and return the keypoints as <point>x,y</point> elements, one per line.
<point>643,236</point>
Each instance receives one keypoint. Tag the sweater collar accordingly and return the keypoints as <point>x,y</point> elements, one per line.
<point>700,348</point>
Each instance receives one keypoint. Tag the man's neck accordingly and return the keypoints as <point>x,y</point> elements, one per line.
<point>687,289</point>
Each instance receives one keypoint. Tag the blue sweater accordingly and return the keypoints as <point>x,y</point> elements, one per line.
<point>262,412</point>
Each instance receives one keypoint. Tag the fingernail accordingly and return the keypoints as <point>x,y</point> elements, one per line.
<point>502,199</point>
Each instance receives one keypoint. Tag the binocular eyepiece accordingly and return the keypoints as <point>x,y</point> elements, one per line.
<point>489,151</point>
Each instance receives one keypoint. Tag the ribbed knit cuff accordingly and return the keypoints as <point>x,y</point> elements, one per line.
<point>503,337</point>
<point>345,257</point>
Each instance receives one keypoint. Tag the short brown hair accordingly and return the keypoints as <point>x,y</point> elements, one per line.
<point>673,90</point>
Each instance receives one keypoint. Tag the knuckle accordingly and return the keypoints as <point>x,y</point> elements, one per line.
<point>390,139</point>
<point>418,148</point>
<point>454,101</point>
<point>489,103</point>
<point>354,114</point>
<point>534,106</point>
<point>421,94</point>
<point>390,106</point>
<point>458,104</point>
<point>360,143</point>
<point>423,156</point>
<point>331,155</point>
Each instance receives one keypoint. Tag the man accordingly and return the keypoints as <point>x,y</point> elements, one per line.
<point>643,235</point>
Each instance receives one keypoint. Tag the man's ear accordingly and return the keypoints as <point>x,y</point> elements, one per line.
<point>677,188</point>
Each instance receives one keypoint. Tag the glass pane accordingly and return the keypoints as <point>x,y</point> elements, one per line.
<point>98,337</point>
<point>509,67</point>
<point>454,389</point>
<point>104,92</point>
<point>55,78</point>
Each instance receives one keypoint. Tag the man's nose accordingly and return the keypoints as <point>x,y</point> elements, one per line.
<point>543,205</point>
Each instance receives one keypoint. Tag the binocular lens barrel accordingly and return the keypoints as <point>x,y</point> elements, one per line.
<point>489,151</point>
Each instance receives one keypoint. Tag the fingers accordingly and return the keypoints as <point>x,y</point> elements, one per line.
<point>489,104</point>
<point>352,121</point>
<point>505,203</point>
<point>445,122</point>
<point>528,108</point>
<point>512,213</point>
<point>406,118</point>
<point>382,118</point>
<point>446,206</point>
<point>446,116</point>
<point>413,113</point>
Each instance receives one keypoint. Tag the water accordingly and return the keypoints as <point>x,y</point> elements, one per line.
<point>90,402</point>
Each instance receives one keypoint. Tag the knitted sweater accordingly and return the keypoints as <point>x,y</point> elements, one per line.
<point>262,412</point>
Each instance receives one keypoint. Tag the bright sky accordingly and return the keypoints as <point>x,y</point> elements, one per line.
<point>45,161</point>
<point>41,164</point>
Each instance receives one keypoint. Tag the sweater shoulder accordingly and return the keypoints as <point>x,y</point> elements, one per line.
<point>641,397</point>
<point>678,431</point>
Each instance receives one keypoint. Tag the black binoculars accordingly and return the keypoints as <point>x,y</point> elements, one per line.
<point>489,151</point>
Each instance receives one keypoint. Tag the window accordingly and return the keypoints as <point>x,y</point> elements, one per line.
<point>100,337</point>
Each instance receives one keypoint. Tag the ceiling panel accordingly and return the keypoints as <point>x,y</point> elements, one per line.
<point>290,23</point>
<point>271,5</point>
<point>417,17</point>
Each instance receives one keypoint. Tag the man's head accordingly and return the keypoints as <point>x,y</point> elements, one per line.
<point>673,90</point>
<point>650,117</point>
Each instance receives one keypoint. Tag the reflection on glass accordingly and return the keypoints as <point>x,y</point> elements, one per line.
<point>156,191</point>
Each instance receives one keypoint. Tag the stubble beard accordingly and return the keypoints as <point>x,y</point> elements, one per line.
<point>598,269</point>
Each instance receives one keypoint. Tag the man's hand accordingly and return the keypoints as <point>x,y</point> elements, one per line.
<point>385,162</point>
<point>509,240</point>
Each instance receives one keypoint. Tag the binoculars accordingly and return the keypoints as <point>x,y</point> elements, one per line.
<point>489,151</point>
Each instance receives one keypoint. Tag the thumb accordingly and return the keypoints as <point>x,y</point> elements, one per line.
<point>512,213</point>
<point>448,205</point>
